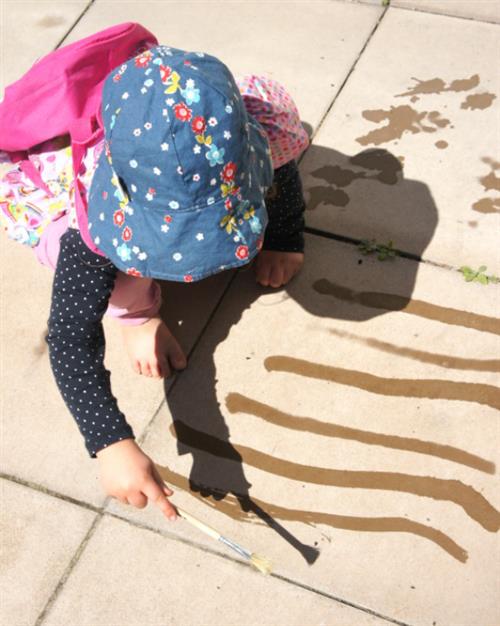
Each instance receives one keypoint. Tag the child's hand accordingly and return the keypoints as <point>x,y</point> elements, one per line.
<point>274,269</point>
<point>130,476</point>
<point>152,349</point>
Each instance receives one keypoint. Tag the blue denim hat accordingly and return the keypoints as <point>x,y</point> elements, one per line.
<point>178,192</point>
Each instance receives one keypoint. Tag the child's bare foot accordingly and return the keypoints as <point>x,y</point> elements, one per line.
<point>152,349</point>
<point>274,269</point>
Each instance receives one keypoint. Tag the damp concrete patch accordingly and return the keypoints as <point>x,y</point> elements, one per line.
<point>408,151</point>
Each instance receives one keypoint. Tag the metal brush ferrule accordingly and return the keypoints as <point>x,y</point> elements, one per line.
<point>236,547</point>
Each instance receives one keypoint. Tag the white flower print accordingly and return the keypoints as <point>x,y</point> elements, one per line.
<point>101,217</point>
<point>199,54</point>
<point>227,134</point>
<point>169,101</point>
<point>236,238</point>
<point>125,95</point>
<point>135,249</point>
<point>148,126</point>
<point>142,256</point>
<point>115,242</point>
<point>210,200</point>
<point>177,256</point>
<point>90,224</point>
<point>165,228</point>
<point>164,146</point>
<point>133,187</point>
<point>200,237</point>
<point>212,121</point>
<point>196,177</point>
<point>137,132</point>
<point>133,163</point>
<point>165,113</point>
<point>173,204</point>
<point>129,210</point>
<point>213,182</point>
<point>179,170</point>
<point>144,90</point>
<point>197,149</point>
<point>157,170</point>
<point>97,241</point>
<point>190,82</point>
<point>229,109</point>
<point>148,82</point>
<point>149,196</point>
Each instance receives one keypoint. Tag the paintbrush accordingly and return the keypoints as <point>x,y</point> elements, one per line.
<point>258,561</point>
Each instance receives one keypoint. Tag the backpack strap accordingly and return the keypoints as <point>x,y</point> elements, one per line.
<point>83,132</point>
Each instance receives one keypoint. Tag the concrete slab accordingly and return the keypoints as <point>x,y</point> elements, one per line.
<point>31,29</point>
<point>129,575</point>
<point>354,417</point>
<point>409,151</point>
<point>487,10</point>
<point>310,51</point>
<point>40,440</point>
<point>35,553</point>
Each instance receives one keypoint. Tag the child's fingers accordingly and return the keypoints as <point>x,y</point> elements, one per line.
<point>156,494</point>
<point>162,483</point>
<point>137,499</point>
<point>145,368</point>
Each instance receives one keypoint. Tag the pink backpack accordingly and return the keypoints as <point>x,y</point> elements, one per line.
<point>61,95</point>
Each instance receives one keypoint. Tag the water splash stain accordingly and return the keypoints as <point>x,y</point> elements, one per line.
<point>401,119</point>
<point>438,86</point>
<point>477,101</point>
<point>51,20</point>
<point>230,507</point>
<point>471,501</point>
<point>377,164</point>
<point>487,205</point>
<point>394,302</point>
<point>442,360</point>
<point>490,182</point>
<point>237,403</point>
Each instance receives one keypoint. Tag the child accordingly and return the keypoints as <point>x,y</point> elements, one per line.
<point>195,175</point>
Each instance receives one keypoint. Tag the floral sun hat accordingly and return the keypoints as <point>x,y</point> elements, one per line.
<point>178,192</point>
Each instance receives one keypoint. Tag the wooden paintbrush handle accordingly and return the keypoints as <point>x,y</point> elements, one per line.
<point>208,530</point>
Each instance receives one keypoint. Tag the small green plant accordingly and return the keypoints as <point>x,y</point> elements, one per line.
<point>385,3</point>
<point>383,251</point>
<point>479,275</point>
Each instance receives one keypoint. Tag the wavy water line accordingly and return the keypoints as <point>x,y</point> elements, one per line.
<point>435,389</point>
<point>394,302</point>
<point>471,501</point>
<point>238,403</point>
<point>230,506</point>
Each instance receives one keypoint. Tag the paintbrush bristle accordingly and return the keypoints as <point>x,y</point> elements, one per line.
<point>261,563</point>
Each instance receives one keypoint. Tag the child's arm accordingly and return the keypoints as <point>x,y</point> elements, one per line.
<point>83,283</point>
<point>285,207</point>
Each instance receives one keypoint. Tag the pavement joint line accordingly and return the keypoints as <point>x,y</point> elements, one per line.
<point>458,17</point>
<point>340,89</point>
<point>101,512</point>
<point>149,425</point>
<point>203,548</point>
<point>68,570</point>
<point>353,241</point>
<point>77,21</point>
